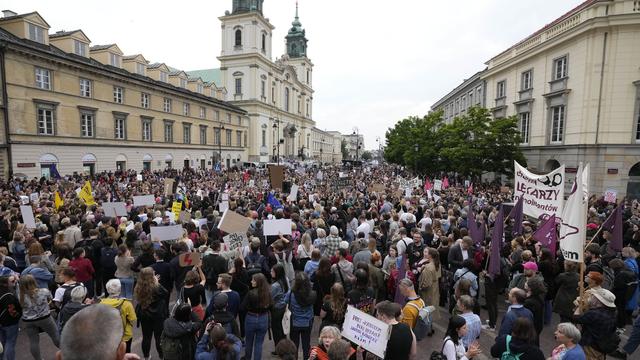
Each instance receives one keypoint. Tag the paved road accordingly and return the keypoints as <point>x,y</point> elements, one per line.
<point>425,347</point>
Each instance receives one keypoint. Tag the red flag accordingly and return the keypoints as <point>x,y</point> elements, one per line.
<point>547,235</point>
<point>445,183</point>
<point>427,185</point>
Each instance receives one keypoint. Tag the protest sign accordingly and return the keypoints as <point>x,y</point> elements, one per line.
<point>504,189</point>
<point>224,197</point>
<point>201,222</point>
<point>189,259</point>
<point>252,183</point>
<point>542,194</point>
<point>236,240</point>
<point>27,216</point>
<point>407,192</point>
<point>275,227</point>
<point>437,185</point>
<point>276,176</point>
<point>574,219</point>
<point>232,222</point>
<point>312,198</point>
<point>293,195</point>
<point>366,331</point>
<point>114,209</point>
<point>610,196</point>
<point>176,208</point>
<point>34,197</point>
<point>319,175</point>
<point>139,177</point>
<point>379,188</point>
<point>130,227</point>
<point>168,187</point>
<point>265,184</point>
<point>416,182</point>
<point>144,200</point>
<point>467,183</point>
<point>184,216</point>
<point>166,233</point>
<point>342,183</point>
<point>223,206</point>
<point>24,200</point>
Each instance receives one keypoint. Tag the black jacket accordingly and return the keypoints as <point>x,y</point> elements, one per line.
<point>163,269</point>
<point>186,332</point>
<point>516,346</point>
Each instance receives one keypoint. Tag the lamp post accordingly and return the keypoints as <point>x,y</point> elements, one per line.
<point>357,134</point>
<point>416,148</point>
<point>276,125</point>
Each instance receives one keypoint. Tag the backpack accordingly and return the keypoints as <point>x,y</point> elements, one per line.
<point>66,297</point>
<point>608,276</point>
<point>254,265</point>
<point>171,347</point>
<point>424,321</point>
<point>108,257</point>
<point>607,343</point>
<point>507,355</point>
<point>439,355</point>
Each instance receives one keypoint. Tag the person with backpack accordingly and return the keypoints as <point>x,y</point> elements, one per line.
<point>343,270</point>
<point>178,339</point>
<point>624,286</point>
<point>124,307</point>
<point>598,324</point>
<point>217,344</point>
<point>256,263</point>
<point>63,294</point>
<point>84,269</point>
<point>413,304</point>
<point>452,346</point>
<point>300,299</point>
<point>36,316</point>
<point>213,264</point>
<point>10,314</point>
<point>151,309</point>
<point>77,296</point>
<point>519,344</point>
<point>108,261</point>
<point>279,288</point>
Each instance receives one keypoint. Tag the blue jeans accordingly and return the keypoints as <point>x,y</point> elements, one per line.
<point>8,337</point>
<point>634,338</point>
<point>126,290</point>
<point>255,327</point>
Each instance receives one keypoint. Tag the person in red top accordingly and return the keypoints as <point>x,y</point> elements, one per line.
<point>84,270</point>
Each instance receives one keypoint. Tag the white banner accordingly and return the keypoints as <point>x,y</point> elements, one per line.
<point>574,219</point>
<point>543,194</point>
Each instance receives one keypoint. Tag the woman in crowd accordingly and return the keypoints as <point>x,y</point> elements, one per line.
<point>323,279</point>
<point>216,344</point>
<point>62,260</point>
<point>522,341</point>
<point>362,297</point>
<point>151,309</point>
<point>36,315</point>
<point>402,342</point>
<point>328,335</point>
<point>334,308</point>
<point>279,287</point>
<point>179,332</point>
<point>123,261</point>
<point>568,336</point>
<point>257,305</point>
<point>301,299</point>
<point>566,291</point>
<point>9,316</point>
<point>304,251</point>
<point>429,280</point>
<point>536,291</point>
<point>452,347</point>
<point>84,269</point>
<point>36,249</point>
<point>18,250</point>
<point>193,291</point>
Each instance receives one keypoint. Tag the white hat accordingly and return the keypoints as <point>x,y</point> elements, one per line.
<point>605,296</point>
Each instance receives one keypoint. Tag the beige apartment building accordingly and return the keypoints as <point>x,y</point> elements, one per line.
<point>323,146</point>
<point>575,87</point>
<point>90,108</point>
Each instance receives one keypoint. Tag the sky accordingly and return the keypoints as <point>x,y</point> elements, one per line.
<point>375,62</point>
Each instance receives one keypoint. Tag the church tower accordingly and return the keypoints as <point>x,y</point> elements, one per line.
<point>296,39</point>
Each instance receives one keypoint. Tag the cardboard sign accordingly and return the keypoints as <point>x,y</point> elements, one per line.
<point>144,200</point>
<point>34,197</point>
<point>223,206</point>
<point>232,222</point>
<point>276,176</point>
<point>27,216</point>
<point>437,185</point>
<point>114,209</point>
<point>252,183</point>
<point>275,227</point>
<point>293,195</point>
<point>367,331</point>
<point>224,196</point>
<point>189,259</point>
<point>342,183</point>
<point>166,233</point>
<point>184,216</point>
<point>379,188</point>
<point>168,187</point>
<point>24,200</point>
<point>139,177</point>
<point>610,196</point>
<point>235,241</point>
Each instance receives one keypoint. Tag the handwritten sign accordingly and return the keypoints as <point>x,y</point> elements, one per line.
<point>437,185</point>
<point>223,206</point>
<point>366,331</point>
<point>610,196</point>
<point>176,208</point>
<point>34,197</point>
<point>235,241</point>
<point>168,187</point>
<point>189,259</point>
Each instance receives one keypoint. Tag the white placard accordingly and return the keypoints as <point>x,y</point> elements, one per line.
<point>265,184</point>
<point>319,175</point>
<point>252,183</point>
<point>164,233</point>
<point>34,197</point>
<point>467,183</point>
<point>114,209</point>
<point>24,200</point>
<point>142,217</point>
<point>139,177</point>
<point>224,197</point>
<point>367,331</point>
<point>223,206</point>
<point>130,227</point>
<point>275,227</point>
<point>407,192</point>
<point>201,222</point>
<point>312,198</point>
<point>235,241</point>
<point>542,194</point>
<point>610,196</point>
<point>27,216</point>
<point>144,200</point>
<point>437,185</point>
<point>293,195</point>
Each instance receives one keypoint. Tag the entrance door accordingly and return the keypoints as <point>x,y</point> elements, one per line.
<point>146,165</point>
<point>633,186</point>
<point>186,163</point>
<point>121,165</point>
<point>89,169</point>
<point>228,163</point>
<point>203,164</point>
<point>45,171</point>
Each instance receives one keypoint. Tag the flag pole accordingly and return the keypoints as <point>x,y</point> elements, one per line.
<point>582,304</point>
<point>600,228</point>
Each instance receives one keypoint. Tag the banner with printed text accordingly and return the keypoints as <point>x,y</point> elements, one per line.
<point>542,194</point>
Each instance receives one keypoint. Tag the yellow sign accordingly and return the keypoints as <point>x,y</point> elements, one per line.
<point>58,201</point>
<point>86,195</point>
<point>176,208</point>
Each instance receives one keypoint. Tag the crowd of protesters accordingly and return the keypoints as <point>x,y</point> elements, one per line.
<point>357,240</point>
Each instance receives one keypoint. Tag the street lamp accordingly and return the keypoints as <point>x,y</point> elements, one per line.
<point>321,150</point>
<point>416,148</point>
<point>276,125</point>
<point>357,134</point>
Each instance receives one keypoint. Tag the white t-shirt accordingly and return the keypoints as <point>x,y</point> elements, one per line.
<point>403,244</point>
<point>364,228</point>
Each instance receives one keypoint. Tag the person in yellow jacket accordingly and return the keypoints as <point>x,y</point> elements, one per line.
<point>124,306</point>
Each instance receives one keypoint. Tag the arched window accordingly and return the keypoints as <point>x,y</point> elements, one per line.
<point>238,37</point>
<point>264,42</point>
<point>286,99</point>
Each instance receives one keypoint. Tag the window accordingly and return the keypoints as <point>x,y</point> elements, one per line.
<point>79,48</point>
<point>638,127</point>
<point>299,108</point>
<point>203,135</point>
<point>145,100</point>
<point>216,136</point>
<point>501,89</point>
<point>307,108</point>
<point>557,123</point>
<point>167,105</point>
<point>46,119</point>
<point>114,60</point>
<point>457,107</point>
<point>478,94</point>
<point>229,137</point>
<point>286,99</point>
<point>527,80</point>
<point>560,68</point>
<point>43,78</point>
<point>168,131</point>
<point>470,96</point>
<point>238,38</point>
<point>229,118</point>
<point>85,88</point>
<point>87,124</point>
<point>308,76</point>
<point>120,127</point>
<point>146,130</point>
<point>118,95</point>
<point>263,88</point>
<point>36,33</point>
<point>238,138</point>
<point>463,101</point>
<point>163,76</point>
<point>524,126</point>
<point>264,135</point>
<point>186,133</point>
<point>238,86</point>
<point>186,109</point>
<point>140,68</point>
<point>203,112</point>
<point>273,94</point>
<point>239,120</point>
<point>183,83</point>
<point>264,42</point>
<point>217,115</point>
<point>199,88</point>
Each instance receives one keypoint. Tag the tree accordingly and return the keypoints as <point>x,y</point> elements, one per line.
<point>366,155</point>
<point>343,149</point>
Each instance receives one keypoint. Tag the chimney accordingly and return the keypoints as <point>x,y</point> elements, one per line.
<point>8,13</point>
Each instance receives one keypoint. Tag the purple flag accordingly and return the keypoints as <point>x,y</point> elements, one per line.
<point>516,214</point>
<point>547,235</point>
<point>402,273</point>
<point>496,244</point>
<point>474,231</point>
<point>614,226</point>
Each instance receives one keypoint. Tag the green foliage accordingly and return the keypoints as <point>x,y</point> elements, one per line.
<point>366,155</point>
<point>471,145</point>
<point>343,149</point>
